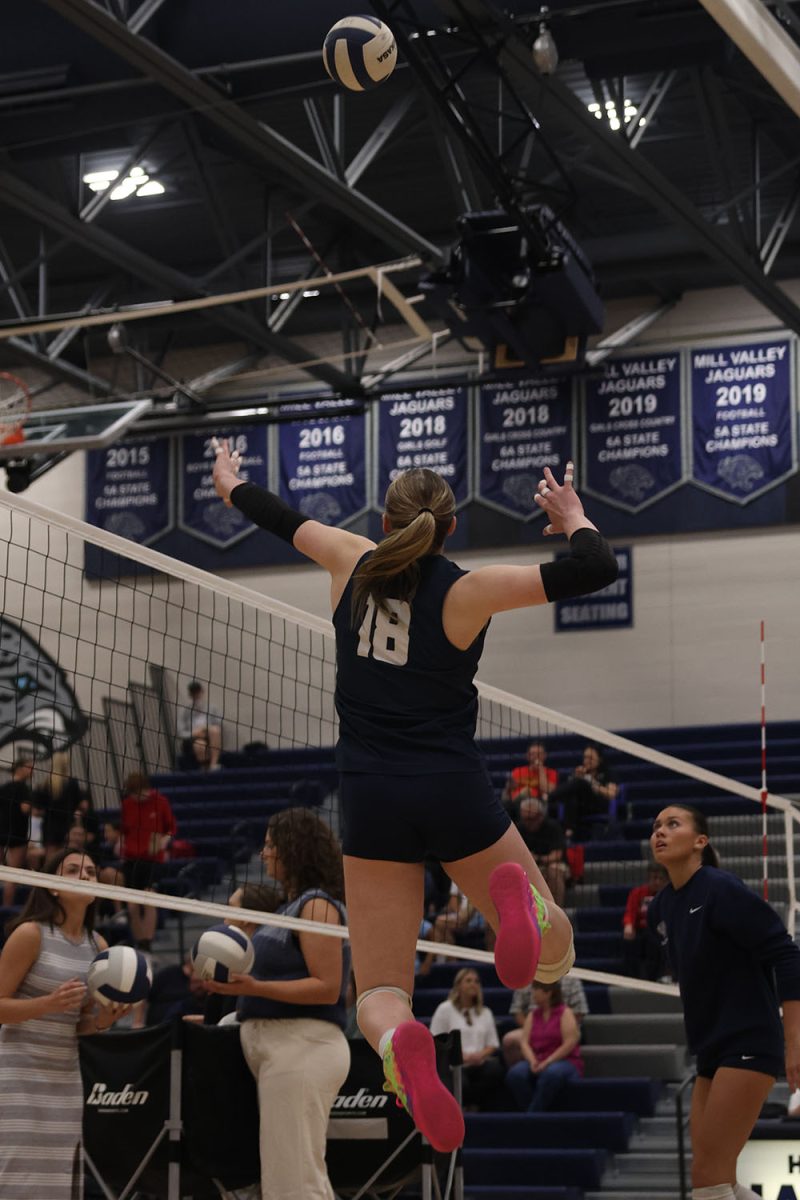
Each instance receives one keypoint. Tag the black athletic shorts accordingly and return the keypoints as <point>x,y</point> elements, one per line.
<point>765,1063</point>
<point>407,818</point>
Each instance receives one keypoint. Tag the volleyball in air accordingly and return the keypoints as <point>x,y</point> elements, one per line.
<point>359,53</point>
<point>119,975</point>
<point>222,949</point>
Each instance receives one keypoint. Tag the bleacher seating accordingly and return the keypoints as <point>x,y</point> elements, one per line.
<point>633,1041</point>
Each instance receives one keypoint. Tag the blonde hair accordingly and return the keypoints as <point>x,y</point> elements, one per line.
<point>419,506</point>
<point>454,997</point>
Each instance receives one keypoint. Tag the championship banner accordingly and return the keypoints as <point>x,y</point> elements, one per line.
<point>632,431</point>
<point>523,427</point>
<point>611,608</point>
<point>323,470</point>
<point>425,428</point>
<point>744,439</point>
<point>202,513</point>
<point>128,489</point>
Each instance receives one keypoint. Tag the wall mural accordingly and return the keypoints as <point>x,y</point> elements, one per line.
<point>37,704</point>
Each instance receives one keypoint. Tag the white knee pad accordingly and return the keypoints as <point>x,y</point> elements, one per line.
<point>395,991</point>
<point>552,972</point>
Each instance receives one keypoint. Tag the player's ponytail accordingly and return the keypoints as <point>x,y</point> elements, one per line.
<point>419,506</point>
<point>709,857</point>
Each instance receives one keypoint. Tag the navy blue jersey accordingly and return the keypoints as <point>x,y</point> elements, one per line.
<point>733,960</point>
<point>404,694</point>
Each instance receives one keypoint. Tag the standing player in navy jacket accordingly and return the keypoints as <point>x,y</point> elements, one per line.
<point>409,630</point>
<point>735,965</point>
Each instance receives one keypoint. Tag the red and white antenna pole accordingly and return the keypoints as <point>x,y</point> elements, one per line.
<point>764,792</point>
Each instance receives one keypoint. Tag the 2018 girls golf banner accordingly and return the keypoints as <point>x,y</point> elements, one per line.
<point>744,435</point>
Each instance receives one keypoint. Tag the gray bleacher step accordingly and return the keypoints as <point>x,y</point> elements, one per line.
<point>618,1193</point>
<point>634,1029</point>
<point>663,1165</point>
<point>656,1127</point>
<point>656,1061</point>
<point>631,1000</point>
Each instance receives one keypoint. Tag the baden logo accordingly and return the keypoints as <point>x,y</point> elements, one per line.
<point>360,1099</point>
<point>101,1097</point>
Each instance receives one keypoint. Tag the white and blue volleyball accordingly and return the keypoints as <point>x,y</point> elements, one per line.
<point>359,53</point>
<point>220,951</point>
<point>119,975</point>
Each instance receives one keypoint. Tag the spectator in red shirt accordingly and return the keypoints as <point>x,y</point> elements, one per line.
<point>147,828</point>
<point>642,951</point>
<point>533,778</point>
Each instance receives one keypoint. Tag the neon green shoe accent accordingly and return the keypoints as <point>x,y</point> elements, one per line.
<point>540,905</point>
<point>393,1083</point>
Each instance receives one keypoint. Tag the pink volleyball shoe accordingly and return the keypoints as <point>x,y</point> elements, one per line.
<point>522,914</point>
<point>409,1064</point>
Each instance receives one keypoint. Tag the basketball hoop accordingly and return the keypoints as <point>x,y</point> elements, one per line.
<point>15,404</point>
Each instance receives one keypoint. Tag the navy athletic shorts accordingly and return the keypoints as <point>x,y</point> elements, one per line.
<point>766,1063</point>
<point>406,818</point>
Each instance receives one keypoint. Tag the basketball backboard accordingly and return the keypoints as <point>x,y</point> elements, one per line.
<point>88,427</point>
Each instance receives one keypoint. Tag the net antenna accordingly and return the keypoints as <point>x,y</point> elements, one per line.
<point>15,405</point>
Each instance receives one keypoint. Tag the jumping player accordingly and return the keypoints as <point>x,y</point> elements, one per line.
<point>735,964</point>
<point>410,627</point>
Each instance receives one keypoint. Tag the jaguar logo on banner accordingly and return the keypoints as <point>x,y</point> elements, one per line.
<point>744,436</point>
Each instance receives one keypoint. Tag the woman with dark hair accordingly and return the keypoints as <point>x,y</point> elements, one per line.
<point>587,793</point>
<point>736,967</point>
<point>410,627</point>
<point>292,1008</point>
<point>43,1006</point>
<point>551,1053</point>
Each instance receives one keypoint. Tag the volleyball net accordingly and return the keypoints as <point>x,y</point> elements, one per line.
<point>127,673</point>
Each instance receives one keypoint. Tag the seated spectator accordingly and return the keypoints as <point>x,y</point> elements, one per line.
<point>551,1056</point>
<point>199,729</point>
<point>465,1011</point>
<point>16,802</point>
<point>642,952</point>
<point>147,827</point>
<point>534,778</point>
<point>587,793</point>
<point>546,841</point>
<point>261,897</point>
<point>573,996</point>
<point>459,923</point>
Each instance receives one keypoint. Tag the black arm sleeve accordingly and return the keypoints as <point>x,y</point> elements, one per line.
<point>267,510</point>
<point>590,567</point>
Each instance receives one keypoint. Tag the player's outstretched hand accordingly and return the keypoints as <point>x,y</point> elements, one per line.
<point>561,503</point>
<point>226,469</point>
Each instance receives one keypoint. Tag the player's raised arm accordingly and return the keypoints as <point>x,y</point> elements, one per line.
<point>336,550</point>
<point>589,566</point>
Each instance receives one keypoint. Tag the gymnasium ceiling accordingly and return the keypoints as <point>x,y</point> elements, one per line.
<point>214,100</point>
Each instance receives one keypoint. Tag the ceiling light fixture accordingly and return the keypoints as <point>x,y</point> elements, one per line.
<point>136,182</point>
<point>608,109</point>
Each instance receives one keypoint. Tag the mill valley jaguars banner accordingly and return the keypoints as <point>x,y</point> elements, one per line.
<point>743,434</point>
<point>523,427</point>
<point>425,428</point>
<point>202,513</point>
<point>128,489</point>
<point>323,470</point>
<point>632,431</point>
